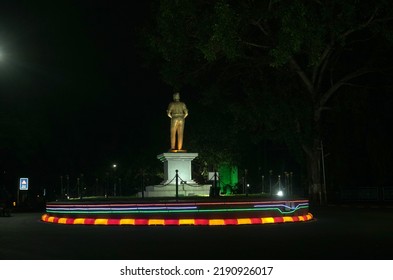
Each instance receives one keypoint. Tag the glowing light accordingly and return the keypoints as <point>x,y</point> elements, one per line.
<point>243,221</point>
<point>127,222</point>
<point>216,222</point>
<point>156,222</point>
<point>280,193</point>
<point>178,222</point>
<point>269,220</point>
<point>79,221</point>
<point>101,221</point>
<point>186,222</point>
<point>287,219</point>
<point>62,221</point>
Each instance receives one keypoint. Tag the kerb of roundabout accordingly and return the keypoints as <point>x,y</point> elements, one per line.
<point>197,212</point>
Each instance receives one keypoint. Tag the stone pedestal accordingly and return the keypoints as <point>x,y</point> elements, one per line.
<point>186,185</point>
<point>180,162</point>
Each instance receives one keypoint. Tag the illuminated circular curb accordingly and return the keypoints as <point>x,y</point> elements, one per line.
<point>175,222</point>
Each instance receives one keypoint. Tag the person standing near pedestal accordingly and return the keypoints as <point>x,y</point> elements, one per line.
<point>177,111</point>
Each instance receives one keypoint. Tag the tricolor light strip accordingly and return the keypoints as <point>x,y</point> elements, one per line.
<point>175,222</point>
<point>165,208</point>
<point>177,203</point>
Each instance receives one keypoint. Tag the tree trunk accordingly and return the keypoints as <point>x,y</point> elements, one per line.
<point>314,175</point>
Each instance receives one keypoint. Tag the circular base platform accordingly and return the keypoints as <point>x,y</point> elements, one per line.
<point>169,212</point>
<point>175,222</point>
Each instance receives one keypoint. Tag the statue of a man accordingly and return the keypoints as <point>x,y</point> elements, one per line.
<point>177,111</point>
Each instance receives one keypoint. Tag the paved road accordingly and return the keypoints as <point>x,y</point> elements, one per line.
<point>337,233</point>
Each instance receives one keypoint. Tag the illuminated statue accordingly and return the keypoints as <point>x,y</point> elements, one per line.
<point>177,111</point>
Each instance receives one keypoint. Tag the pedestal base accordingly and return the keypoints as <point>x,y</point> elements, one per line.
<point>180,161</point>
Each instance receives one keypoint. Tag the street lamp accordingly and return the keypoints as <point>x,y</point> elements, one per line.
<point>280,192</point>
<point>68,186</point>
<point>114,179</point>
<point>270,181</point>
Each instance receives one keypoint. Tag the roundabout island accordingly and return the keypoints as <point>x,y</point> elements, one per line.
<point>171,204</point>
<point>188,211</point>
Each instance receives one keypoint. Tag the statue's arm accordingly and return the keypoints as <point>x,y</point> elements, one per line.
<point>169,111</point>
<point>185,110</point>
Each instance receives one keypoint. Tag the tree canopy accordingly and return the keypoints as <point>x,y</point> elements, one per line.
<point>274,65</point>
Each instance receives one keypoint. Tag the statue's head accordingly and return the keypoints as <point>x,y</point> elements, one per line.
<point>176,96</point>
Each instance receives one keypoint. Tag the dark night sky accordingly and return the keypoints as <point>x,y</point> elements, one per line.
<point>74,97</point>
<point>71,74</point>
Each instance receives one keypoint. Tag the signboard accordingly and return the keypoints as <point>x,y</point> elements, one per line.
<point>23,184</point>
